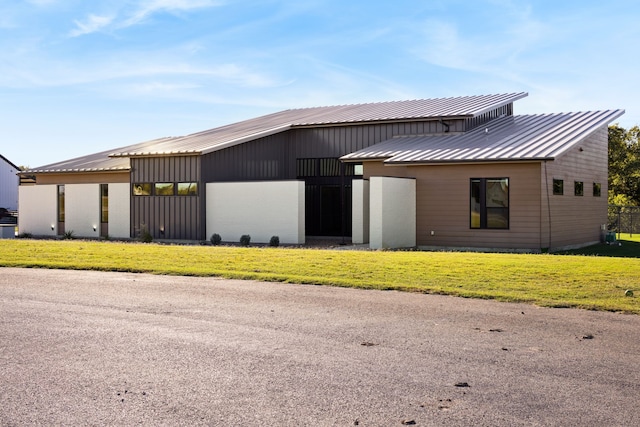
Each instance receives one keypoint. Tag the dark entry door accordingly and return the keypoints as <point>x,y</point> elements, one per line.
<point>328,197</point>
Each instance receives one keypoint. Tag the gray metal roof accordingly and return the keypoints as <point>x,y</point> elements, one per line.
<point>97,162</point>
<point>238,133</point>
<point>247,130</point>
<point>512,138</point>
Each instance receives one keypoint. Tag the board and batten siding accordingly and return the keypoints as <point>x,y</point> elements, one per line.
<point>274,157</point>
<point>443,202</point>
<point>577,220</point>
<point>167,217</point>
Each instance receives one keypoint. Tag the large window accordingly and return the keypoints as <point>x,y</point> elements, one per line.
<point>490,203</point>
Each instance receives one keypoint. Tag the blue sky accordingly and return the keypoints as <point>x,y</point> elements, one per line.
<point>79,76</point>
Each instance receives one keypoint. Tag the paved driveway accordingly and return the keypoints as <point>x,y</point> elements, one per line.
<point>90,348</point>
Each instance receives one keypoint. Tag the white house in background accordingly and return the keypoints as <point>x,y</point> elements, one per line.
<point>9,182</point>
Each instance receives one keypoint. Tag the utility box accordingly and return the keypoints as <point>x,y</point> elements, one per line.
<point>7,231</point>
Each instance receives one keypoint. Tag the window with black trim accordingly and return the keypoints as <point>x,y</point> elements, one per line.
<point>142,189</point>
<point>578,188</point>
<point>597,189</point>
<point>558,187</point>
<point>187,189</point>
<point>489,203</point>
<point>164,189</point>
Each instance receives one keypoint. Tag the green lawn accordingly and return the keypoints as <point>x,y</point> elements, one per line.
<point>567,280</point>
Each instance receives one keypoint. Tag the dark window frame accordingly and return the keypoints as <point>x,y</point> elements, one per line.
<point>578,188</point>
<point>597,189</point>
<point>104,203</point>
<point>190,191</point>
<point>158,189</point>
<point>558,187</point>
<point>478,190</point>
<point>141,186</point>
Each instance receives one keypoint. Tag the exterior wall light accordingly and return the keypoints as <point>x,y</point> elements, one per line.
<point>162,229</point>
<point>53,227</point>
<point>95,227</point>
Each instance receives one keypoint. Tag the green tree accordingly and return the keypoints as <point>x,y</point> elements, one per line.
<point>624,165</point>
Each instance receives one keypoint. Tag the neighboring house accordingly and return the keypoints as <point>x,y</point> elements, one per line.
<point>454,172</point>
<point>8,184</point>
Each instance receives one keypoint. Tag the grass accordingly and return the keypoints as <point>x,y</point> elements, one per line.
<point>577,279</point>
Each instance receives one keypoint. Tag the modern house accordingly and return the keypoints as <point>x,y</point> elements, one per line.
<point>459,172</point>
<point>8,184</point>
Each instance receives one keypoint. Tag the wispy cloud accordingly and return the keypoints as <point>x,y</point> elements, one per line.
<point>126,17</point>
<point>92,24</point>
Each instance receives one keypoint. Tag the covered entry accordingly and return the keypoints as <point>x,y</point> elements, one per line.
<point>328,198</point>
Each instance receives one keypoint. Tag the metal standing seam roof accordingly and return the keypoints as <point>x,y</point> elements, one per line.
<point>237,133</point>
<point>512,138</point>
<point>97,162</point>
<point>247,130</point>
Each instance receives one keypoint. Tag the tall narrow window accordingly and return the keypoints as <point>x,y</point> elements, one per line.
<point>578,188</point>
<point>104,203</point>
<point>60,203</point>
<point>490,203</point>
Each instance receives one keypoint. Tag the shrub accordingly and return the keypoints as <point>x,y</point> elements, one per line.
<point>274,241</point>
<point>215,239</point>
<point>245,239</point>
<point>25,235</point>
<point>145,235</point>
<point>68,235</point>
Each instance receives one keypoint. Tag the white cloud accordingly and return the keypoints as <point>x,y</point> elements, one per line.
<point>150,7</point>
<point>92,24</point>
<point>126,17</point>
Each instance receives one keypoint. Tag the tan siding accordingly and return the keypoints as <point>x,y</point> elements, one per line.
<point>576,220</point>
<point>443,203</point>
<point>82,178</point>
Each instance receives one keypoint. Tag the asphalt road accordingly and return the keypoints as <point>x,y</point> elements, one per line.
<point>90,348</point>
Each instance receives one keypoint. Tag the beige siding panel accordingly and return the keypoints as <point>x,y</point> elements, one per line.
<point>443,204</point>
<point>82,178</point>
<point>576,220</point>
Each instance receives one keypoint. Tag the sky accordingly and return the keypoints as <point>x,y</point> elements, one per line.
<point>78,76</point>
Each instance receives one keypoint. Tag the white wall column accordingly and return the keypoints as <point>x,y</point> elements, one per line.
<point>360,211</point>
<point>392,212</point>
<point>38,207</point>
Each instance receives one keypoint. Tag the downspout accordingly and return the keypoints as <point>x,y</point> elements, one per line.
<point>446,125</point>
<point>546,185</point>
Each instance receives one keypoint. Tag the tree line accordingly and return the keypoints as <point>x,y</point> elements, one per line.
<point>624,166</point>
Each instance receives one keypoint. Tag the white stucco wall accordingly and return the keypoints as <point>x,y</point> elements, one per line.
<point>8,186</point>
<point>38,210</point>
<point>259,209</point>
<point>360,211</point>
<point>392,216</point>
<point>119,211</point>
<point>82,210</point>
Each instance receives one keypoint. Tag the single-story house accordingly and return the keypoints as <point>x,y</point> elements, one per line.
<point>462,172</point>
<point>8,184</point>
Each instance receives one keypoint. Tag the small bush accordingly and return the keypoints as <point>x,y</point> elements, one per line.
<point>25,235</point>
<point>145,235</point>
<point>68,235</point>
<point>215,239</point>
<point>274,241</point>
<point>245,239</point>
